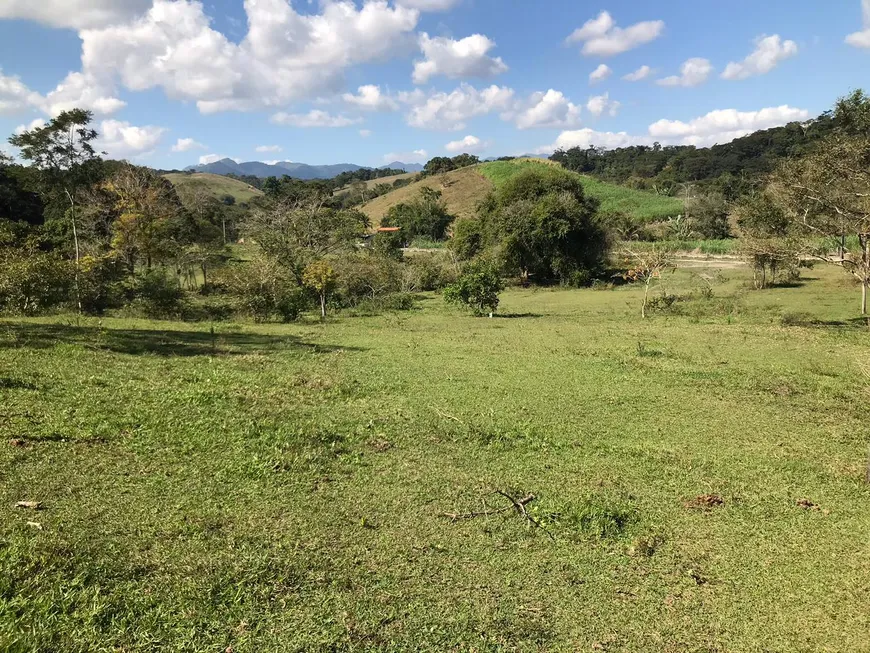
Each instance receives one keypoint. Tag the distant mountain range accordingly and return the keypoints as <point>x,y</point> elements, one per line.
<point>296,170</point>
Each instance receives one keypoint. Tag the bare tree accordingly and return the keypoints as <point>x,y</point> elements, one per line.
<point>647,267</point>
<point>826,196</point>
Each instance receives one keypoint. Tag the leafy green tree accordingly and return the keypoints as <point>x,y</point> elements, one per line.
<point>477,288</point>
<point>321,278</point>
<point>468,238</point>
<point>541,224</point>
<point>17,204</point>
<point>438,165</point>
<point>61,151</point>
<point>425,216</point>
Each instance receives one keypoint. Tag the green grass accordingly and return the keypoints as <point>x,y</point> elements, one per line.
<point>639,205</point>
<point>710,247</point>
<point>284,487</point>
<point>218,185</point>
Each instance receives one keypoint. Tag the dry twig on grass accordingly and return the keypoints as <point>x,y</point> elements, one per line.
<point>516,504</point>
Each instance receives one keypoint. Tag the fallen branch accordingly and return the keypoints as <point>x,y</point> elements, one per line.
<point>455,516</point>
<point>516,504</point>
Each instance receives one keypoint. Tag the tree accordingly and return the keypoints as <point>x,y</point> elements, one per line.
<point>765,241</point>
<point>647,267</point>
<point>298,233</point>
<point>477,288</point>
<point>425,216</point>
<point>146,209</point>
<point>826,195</point>
<point>321,278</point>
<point>61,151</point>
<point>541,224</point>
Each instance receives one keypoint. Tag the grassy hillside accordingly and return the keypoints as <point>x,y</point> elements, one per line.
<point>218,185</point>
<point>639,205</point>
<point>463,189</point>
<point>698,478</point>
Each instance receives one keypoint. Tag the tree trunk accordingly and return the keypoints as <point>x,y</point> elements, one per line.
<point>645,298</point>
<point>204,275</point>
<point>865,270</point>
<point>72,205</point>
<point>224,228</point>
<point>323,306</point>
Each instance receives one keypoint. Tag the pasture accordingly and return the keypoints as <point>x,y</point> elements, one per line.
<point>698,477</point>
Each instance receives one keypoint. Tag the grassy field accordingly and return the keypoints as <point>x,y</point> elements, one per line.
<point>698,478</point>
<point>463,189</point>
<point>217,184</point>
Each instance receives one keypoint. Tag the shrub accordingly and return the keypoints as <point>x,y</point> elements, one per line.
<point>32,282</point>
<point>262,289</point>
<point>365,276</point>
<point>424,272</point>
<point>158,294</point>
<point>477,288</point>
<point>101,283</point>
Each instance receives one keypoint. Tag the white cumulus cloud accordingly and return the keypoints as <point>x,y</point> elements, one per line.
<point>266,149</point>
<point>600,104</point>
<point>600,74</point>
<point>469,145</point>
<point>81,91</point>
<point>769,52</point>
<point>862,39</point>
<point>720,126</point>
<point>15,96</point>
<point>456,59</point>
<point>33,124</point>
<point>75,14</point>
<point>121,140</point>
<point>451,111</point>
<point>365,133</point>
<point>724,125</point>
<point>551,109</point>
<point>640,74</point>
<point>370,98</point>
<point>693,72</point>
<point>314,118</point>
<point>285,56</point>
<point>187,144</point>
<point>601,36</point>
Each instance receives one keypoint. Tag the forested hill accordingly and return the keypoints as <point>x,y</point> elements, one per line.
<point>732,168</point>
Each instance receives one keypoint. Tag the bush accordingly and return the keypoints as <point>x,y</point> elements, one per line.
<point>32,282</point>
<point>364,276</point>
<point>101,283</point>
<point>263,289</point>
<point>477,288</point>
<point>424,272</point>
<point>158,294</point>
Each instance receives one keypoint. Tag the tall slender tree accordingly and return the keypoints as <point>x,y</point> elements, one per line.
<point>61,151</point>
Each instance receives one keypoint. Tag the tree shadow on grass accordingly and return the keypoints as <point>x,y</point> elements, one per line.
<point>855,323</point>
<point>159,343</point>
<point>517,316</point>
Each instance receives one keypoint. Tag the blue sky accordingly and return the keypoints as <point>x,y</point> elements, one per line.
<point>173,81</point>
